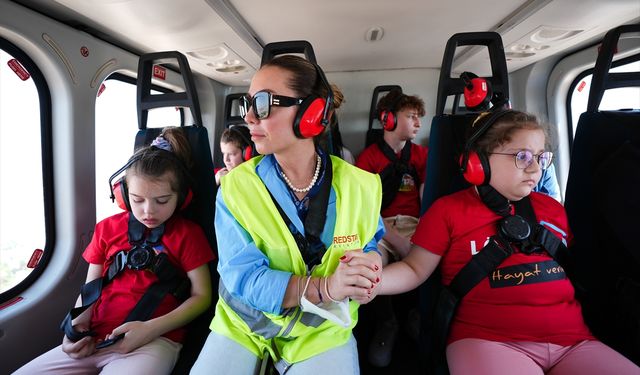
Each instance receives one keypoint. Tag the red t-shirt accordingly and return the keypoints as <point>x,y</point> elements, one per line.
<point>186,247</point>
<point>527,298</point>
<point>407,200</point>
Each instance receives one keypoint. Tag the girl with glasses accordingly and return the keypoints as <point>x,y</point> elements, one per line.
<point>285,220</point>
<point>522,317</point>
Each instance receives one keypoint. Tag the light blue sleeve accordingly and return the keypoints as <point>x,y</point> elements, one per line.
<point>243,268</point>
<point>373,244</point>
<point>548,183</point>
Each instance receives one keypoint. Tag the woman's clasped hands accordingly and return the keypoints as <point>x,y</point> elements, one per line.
<point>356,276</point>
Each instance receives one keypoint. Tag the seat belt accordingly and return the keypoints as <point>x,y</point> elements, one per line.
<point>310,245</point>
<point>391,175</point>
<point>495,252</point>
<point>138,257</point>
<point>499,248</point>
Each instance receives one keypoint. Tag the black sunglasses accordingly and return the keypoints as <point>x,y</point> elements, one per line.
<point>262,102</point>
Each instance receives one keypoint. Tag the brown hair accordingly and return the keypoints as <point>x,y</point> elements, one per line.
<point>501,131</point>
<point>153,161</point>
<point>304,77</point>
<point>396,101</point>
<point>233,137</point>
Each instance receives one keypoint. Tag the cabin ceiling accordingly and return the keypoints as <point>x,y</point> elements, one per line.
<point>223,38</point>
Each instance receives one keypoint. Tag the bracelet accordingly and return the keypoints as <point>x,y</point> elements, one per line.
<point>318,289</point>
<point>298,288</point>
<point>326,290</point>
<point>304,291</point>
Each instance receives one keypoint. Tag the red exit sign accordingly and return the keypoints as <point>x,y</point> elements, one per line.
<point>159,72</point>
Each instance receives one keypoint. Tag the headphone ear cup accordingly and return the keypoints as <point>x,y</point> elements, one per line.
<point>187,199</point>
<point>247,153</point>
<point>121,194</point>
<point>308,122</point>
<point>388,120</point>
<point>476,169</point>
<point>479,96</point>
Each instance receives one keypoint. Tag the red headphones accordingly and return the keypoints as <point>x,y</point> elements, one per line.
<point>120,191</point>
<point>477,92</point>
<point>475,165</point>
<point>120,194</point>
<point>248,147</point>
<point>313,115</point>
<point>388,117</point>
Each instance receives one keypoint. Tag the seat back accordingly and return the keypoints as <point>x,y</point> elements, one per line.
<point>231,116</point>
<point>375,134</point>
<point>602,204</point>
<point>448,131</point>
<point>446,143</point>
<point>202,207</point>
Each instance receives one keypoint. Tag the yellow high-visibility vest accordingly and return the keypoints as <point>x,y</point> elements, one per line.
<point>294,336</point>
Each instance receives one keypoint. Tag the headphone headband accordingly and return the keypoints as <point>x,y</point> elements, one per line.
<point>240,131</point>
<point>484,120</point>
<point>393,107</point>
<point>329,98</point>
<point>185,196</point>
<point>314,113</point>
<point>137,156</point>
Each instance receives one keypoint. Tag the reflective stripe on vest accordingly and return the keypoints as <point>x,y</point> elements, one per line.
<point>359,197</point>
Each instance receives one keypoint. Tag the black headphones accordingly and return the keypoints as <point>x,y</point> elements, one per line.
<point>248,147</point>
<point>388,117</point>
<point>475,165</point>
<point>120,191</point>
<point>314,113</point>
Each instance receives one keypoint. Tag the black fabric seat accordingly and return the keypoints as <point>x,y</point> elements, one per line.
<point>376,134</point>
<point>202,208</point>
<point>602,204</point>
<point>446,143</point>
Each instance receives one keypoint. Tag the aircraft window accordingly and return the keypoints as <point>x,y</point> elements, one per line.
<point>116,128</point>
<point>613,99</point>
<point>26,225</point>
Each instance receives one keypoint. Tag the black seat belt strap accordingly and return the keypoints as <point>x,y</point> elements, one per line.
<point>480,266</point>
<point>391,175</point>
<point>169,281</point>
<point>311,246</point>
<point>541,238</point>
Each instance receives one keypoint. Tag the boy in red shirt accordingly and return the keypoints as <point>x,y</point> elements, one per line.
<point>402,168</point>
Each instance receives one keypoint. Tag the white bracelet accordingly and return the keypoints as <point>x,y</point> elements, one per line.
<point>326,290</point>
<point>306,285</point>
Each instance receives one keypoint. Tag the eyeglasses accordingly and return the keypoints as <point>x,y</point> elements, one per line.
<point>524,158</point>
<point>262,102</point>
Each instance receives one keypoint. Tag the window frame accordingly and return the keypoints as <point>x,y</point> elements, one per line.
<point>46,144</point>
<point>576,82</point>
<point>134,81</point>
<point>123,78</point>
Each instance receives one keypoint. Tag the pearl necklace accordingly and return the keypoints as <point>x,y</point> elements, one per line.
<point>313,180</point>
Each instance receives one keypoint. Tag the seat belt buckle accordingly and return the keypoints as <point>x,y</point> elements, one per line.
<point>502,245</point>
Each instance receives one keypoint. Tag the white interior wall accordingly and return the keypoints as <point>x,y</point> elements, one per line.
<point>358,89</point>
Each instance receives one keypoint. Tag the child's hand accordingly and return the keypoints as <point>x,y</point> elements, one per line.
<point>79,349</point>
<point>371,260</point>
<point>221,173</point>
<point>355,276</point>
<point>136,334</point>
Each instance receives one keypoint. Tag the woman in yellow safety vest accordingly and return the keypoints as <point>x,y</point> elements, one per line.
<point>287,223</point>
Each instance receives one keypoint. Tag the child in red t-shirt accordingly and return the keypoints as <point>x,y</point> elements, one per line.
<point>157,186</point>
<point>402,187</point>
<point>523,317</point>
